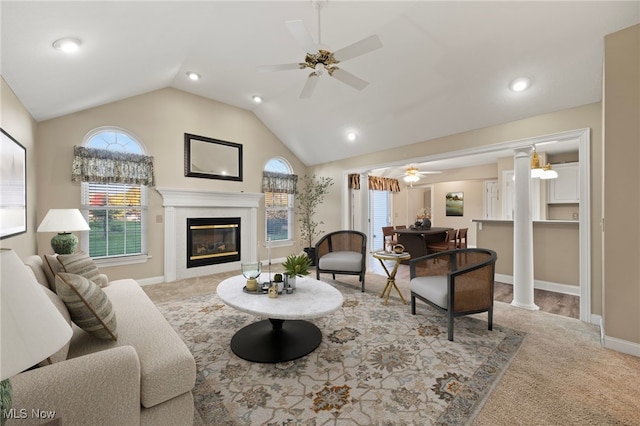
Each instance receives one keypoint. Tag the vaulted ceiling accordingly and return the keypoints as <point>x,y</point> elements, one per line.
<point>444,67</point>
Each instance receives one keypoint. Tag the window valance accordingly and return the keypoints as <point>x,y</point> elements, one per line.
<point>354,181</point>
<point>105,166</point>
<point>384,184</point>
<point>279,182</point>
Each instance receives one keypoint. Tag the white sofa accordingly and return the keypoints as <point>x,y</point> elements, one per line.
<point>143,378</point>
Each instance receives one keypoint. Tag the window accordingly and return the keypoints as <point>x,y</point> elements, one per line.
<point>278,206</point>
<point>116,212</point>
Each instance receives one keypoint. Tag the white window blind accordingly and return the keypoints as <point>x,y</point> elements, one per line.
<point>117,216</point>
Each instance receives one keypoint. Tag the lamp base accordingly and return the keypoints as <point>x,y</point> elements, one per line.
<point>64,243</point>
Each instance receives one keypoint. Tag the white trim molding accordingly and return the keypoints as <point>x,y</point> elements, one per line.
<point>180,204</point>
<point>623,346</point>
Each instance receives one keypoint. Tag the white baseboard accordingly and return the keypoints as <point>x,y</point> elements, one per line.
<point>544,285</point>
<point>160,279</point>
<point>597,320</point>
<point>150,281</point>
<point>623,346</point>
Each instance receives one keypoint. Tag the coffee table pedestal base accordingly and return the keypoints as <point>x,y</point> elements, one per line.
<point>275,340</point>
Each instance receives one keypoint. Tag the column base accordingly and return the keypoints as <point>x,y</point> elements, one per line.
<point>530,307</point>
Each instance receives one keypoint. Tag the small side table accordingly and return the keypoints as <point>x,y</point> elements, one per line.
<point>391,276</point>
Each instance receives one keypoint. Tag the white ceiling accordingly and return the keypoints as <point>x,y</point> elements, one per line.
<point>444,67</point>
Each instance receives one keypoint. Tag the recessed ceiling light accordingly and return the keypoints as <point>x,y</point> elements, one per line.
<point>257,99</point>
<point>193,75</point>
<point>520,84</point>
<point>351,136</point>
<point>67,45</point>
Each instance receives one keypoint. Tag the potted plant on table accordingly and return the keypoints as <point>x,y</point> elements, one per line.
<point>307,201</point>
<point>295,266</point>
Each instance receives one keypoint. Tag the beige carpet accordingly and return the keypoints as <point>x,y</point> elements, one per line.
<point>561,375</point>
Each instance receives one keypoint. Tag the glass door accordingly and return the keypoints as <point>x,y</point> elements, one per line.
<point>380,215</point>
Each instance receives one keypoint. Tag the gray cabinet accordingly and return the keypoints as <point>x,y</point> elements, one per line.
<point>566,188</point>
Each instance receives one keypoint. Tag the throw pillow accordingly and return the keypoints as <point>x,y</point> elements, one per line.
<point>88,305</point>
<point>81,264</point>
<point>51,268</point>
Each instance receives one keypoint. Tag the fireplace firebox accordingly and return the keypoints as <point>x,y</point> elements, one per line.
<point>212,241</point>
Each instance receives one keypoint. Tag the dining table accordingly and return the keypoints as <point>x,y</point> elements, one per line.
<point>416,240</point>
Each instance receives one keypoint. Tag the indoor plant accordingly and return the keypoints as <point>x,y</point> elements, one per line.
<point>295,266</point>
<point>307,201</point>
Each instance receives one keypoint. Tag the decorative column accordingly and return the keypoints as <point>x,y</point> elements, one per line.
<point>523,232</point>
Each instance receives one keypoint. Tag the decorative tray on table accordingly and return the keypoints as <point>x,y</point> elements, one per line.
<point>259,291</point>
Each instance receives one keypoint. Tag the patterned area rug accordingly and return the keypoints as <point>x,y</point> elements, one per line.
<point>376,365</point>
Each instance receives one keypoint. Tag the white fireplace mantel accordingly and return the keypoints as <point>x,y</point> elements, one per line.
<point>180,204</point>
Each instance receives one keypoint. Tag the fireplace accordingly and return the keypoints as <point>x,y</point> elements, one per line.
<point>181,204</point>
<point>212,241</point>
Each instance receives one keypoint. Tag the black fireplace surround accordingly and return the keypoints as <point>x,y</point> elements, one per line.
<point>212,241</point>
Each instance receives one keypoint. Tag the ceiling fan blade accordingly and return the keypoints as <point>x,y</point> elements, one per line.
<point>310,85</point>
<point>280,67</point>
<point>348,78</point>
<point>431,172</point>
<point>300,33</point>
<point>358,48</point>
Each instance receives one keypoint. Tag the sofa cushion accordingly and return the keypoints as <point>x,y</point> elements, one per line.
<point>341,261</point>
<point>61,355</point>
<point>89,306</point>
<point>36,265</point>
<point>432,288</point>
<point>167,368</point>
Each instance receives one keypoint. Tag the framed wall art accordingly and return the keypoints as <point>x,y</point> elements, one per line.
<point>455,203</point>
<point>13,187</point>
<point>212,158</point>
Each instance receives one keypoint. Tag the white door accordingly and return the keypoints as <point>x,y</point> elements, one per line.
<point>507,195</point>
<point>491,199</point>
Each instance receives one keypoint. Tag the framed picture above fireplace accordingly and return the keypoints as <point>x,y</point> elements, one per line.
<point>212,158</point>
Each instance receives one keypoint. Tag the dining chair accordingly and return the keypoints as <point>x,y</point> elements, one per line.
<point>389,237</point>
<point>449,242</point>
<point>462,238</point>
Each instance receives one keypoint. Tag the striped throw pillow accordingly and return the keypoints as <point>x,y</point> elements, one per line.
<point>79,264</point>
<point>88,305</point>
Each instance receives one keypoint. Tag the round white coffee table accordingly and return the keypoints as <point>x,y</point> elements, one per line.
<point>285,335</point>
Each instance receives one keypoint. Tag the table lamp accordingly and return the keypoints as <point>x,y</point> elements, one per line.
<point>63,221</point>
<point>32,328</point>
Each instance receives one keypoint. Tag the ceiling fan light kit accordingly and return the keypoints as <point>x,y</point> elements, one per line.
<point>320,59</point>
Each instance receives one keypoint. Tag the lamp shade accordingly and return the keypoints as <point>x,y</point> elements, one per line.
<point>31,326</point>
<point>63,220</point>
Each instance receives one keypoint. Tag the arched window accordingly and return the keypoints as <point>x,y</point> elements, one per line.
<point>116,212</point>
<point>278,205</point>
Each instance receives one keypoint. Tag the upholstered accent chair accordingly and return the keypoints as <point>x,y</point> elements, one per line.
<point>456,282</point>
<point>342,252</point>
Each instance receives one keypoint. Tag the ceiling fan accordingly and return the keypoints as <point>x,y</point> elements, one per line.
<point>412,174</point>
<point>321,60</point>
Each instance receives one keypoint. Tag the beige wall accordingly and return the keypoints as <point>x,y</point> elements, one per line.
<point>587,116</point>
<point>621,108</point>
<point>15,120</point>
<point>555,254</point>
<point>159,119</point>
<point>473,198</point>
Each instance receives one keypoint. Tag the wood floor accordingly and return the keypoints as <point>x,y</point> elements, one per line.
<point>548,301</point>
